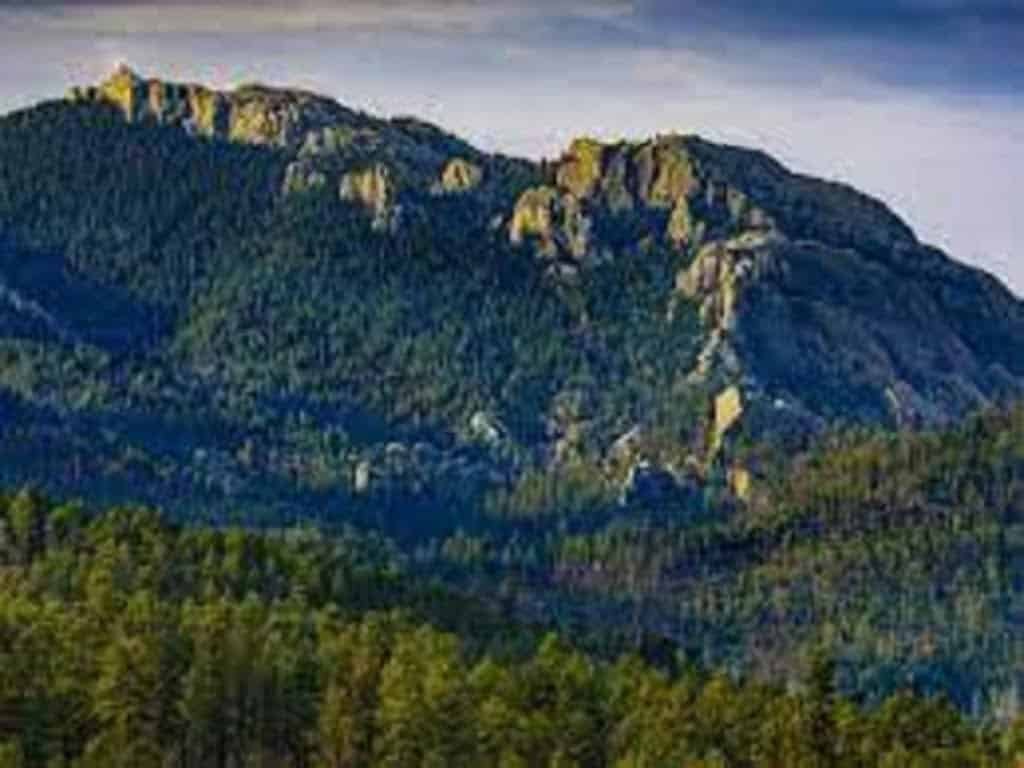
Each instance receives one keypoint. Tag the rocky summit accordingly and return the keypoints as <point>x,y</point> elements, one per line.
<point>816,302</point>
<point>326,141</point>
<point>251,114</point>
<point>274,261</point>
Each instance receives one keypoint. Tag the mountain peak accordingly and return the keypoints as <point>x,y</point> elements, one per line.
<point>691,191</point>
<point>252,114</point>
<point>325,139</point>
<point>816,301</point>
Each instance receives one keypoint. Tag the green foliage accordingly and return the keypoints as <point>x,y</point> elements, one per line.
<point>569,491</point>
<point>900,553</point>
<point>173,331</point>
<point>193,339</point>
<point>128,642</point>
<point>148,211</point>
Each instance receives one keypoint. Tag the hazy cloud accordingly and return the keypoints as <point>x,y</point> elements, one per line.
<point>920,102</point>
<point>954,45</point>
<point>944,44</point>
<point>163,16</point>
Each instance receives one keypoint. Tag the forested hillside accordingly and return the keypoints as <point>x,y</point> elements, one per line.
<point>125,642</point>
<point>667,388</point>
<point>901,551</point>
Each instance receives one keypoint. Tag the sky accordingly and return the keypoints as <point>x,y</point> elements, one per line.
<point>918,102</point>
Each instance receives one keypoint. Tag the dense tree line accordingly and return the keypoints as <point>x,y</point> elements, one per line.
<point>128,642</point>
<point>903,549</point>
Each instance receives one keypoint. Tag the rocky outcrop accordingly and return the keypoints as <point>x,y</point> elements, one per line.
<point>816,333</point>
<point>637,195</point>
<point>582,169</point>
<point>374,189</point>
<point>459,176</point>
<point>251,114</point>
<point>728,410</point>
<point>195,107</point>
<point>716,281</point>
<point>741,483</point>
<point>684,192</point>
<point>795,281</point>
<point>557,224</point>
<point>363,477</point>
<point>536,215</point>
<point>488,430</point>
<point>717,277</point>
<point>328,145</point>
<point>328,138</point>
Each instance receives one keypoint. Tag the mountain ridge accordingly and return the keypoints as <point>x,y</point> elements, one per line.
<point>665,386</point>
<point>792,278</point>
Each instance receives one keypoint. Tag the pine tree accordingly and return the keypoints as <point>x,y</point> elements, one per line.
<point>136,695</point>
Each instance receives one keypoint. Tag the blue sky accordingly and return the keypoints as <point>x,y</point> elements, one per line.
<point>920,102</point>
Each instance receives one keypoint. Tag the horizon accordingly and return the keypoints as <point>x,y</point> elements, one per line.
<point>915,102</point>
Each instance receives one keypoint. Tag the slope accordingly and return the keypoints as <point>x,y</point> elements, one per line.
<point>568,381</point>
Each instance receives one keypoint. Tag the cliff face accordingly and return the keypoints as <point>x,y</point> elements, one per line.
<point>647,191</point>
<point>329,145</point>
<point>683,191</point>
<point>250,114</point>
<point>817,303</point>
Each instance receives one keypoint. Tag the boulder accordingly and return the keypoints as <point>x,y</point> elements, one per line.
<point>581,169</point>
<point>459,176</point>
<point>374,189</point>
<point>557,223</point>
<point>741,482</point>
<point>363,475</point>
<point>728,410</point>
<point>487,429</point>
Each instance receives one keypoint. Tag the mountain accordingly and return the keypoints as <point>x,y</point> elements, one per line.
<point>587,384</point>
<point>814,300</point>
